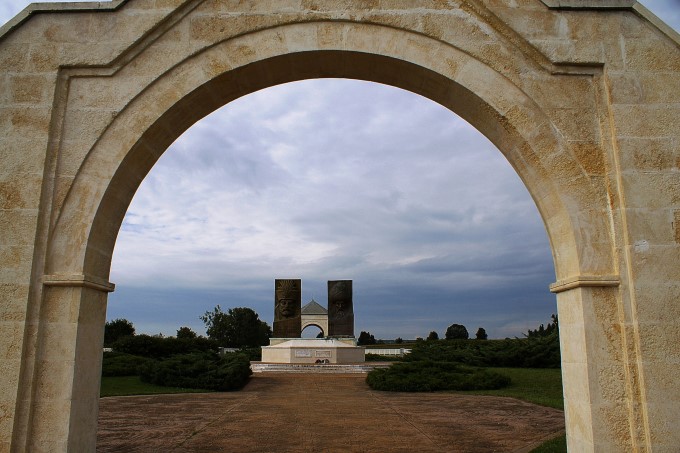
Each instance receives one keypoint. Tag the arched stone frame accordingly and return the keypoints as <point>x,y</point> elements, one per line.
<point>318,320</point>
<point>576,192</point>
<point>316,324</point>
<point>488,107</point>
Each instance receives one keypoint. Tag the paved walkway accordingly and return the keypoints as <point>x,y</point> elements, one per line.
<point>321,413</point>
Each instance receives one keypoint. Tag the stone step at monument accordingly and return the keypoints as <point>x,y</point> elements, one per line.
<point>262,367</point>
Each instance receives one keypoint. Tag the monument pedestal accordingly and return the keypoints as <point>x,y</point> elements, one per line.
<point>313,350</point>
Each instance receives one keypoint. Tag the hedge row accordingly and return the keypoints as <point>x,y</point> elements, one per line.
<point>159,347</point>
<point>535,352</point>
<point>199,370</point>
<point>122,364</point>
<point>429,376</point>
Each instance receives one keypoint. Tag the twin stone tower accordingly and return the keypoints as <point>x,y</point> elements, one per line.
<point>288,308</point>
<point>338,347</point>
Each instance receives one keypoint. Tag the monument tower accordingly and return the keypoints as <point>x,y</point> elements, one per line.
<point>288,346</point>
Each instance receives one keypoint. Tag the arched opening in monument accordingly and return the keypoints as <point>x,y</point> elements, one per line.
<point>312,331</point>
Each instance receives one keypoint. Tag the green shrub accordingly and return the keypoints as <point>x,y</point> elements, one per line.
<point>158,347</point>
<point>122,364</point>
<point>429,376</point>
<point>204,370</point>
<point>535,352</point>
<point>253,354</point>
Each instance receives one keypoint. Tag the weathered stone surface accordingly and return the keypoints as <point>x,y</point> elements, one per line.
<point>340,308</point>
<point>287,306</point>
<point>581,98</point>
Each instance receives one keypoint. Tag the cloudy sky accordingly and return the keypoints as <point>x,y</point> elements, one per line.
<point>336,179</point>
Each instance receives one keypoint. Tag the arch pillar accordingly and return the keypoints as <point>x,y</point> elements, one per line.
<point>61,414</point>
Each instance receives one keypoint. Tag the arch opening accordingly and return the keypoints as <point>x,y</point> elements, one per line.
<point>444,195</point>
<point>313,331</point>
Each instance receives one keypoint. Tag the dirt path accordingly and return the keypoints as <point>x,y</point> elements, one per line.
<point>321,413</point>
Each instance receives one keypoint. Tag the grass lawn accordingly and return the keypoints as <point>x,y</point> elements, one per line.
<point>556,445</point>
<point>541,386</point>
<point>132,385</point>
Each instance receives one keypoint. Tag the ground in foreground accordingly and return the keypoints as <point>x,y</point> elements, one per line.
<point>299,413</point>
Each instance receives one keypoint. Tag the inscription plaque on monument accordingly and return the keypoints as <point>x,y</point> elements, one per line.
<point>287,305</point>
<point>340,308</point>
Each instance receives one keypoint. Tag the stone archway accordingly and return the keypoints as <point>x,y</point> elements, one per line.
<point>92,96</point>
<point>313,314</point>
<point>312,324</point>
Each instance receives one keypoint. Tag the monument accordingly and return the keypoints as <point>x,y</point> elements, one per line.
<point>287,307</point>
<point>340,309</point>
<point>314,314</point>
<point>287,346</point>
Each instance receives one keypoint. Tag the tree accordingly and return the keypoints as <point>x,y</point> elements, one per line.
<point>118,328</point>
<point>239,327</point>
<point>320,335</point>
<point>186,333</point>
<point>542,331</point>
<point>481,334</point>
<point>457,332</point>
<point>433,336</point>
<point>399,340</point>
<point>365,338</point>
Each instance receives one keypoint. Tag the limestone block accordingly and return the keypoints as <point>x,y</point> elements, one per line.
<point>591,156</point>
<point>50,431</point>
<point>660,87</point>
<point>574,351</point>
<point>577,124</point>
<point>649,154</point>
<point>657,301</point>
<point>651,190</point>
<point>614,428</point>
<point>20,192</point>
<point>658,344</point>
<point>14,55</point>
<point>571,51</point>
<point>651,121</point>
<point>53,377</point>
<point>228,6</point>
<point>30,89</point>
<point>18,227</point>
<point>17,259</point>
<point>551,91</point>
<point>11,340</point>
<point>578,418</point>
<point>624,87</point>
<point>655,226</point>
<point>6,422</point>
<point>13,305</point>
<point>44,58</point>
<point>656,263</point>
<point>27,121</point>
<point>651,55</point>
